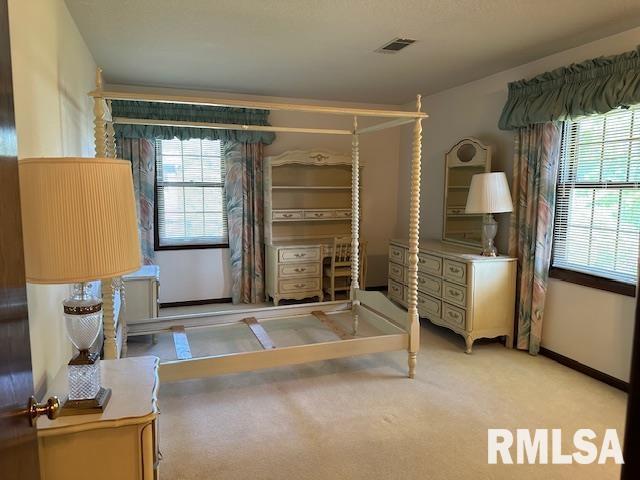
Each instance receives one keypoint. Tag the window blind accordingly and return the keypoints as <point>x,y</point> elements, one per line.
<point>597,219</point>
<point>190,198</point>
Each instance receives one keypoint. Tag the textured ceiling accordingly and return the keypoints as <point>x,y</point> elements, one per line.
<point>324,49</point>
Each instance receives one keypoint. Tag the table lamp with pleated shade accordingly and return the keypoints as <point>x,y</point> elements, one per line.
<point>489,194</point>
<point>79,225</point>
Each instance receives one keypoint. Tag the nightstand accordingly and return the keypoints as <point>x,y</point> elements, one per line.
<point>120,443</point>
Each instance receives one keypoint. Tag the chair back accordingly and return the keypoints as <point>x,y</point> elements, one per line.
<point>341,251</point>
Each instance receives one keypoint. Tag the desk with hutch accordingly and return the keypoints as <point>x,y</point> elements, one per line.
<point>308,201</point>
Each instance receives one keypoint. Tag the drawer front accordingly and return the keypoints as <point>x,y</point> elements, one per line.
<point>299,285</point>
<point>286,215</point>
<point>454,316</point>
<point>396,291</point>
<point>346,213</point>
<point>455,294</point>
<point>299,254</point>
<point>455,271</point>
<point>396,254</point>
<point>396,272</point>
<point>299,269</point>
<point>315,214</point>
<point>429,284</point>
<point>455,211</point>
<point>429,306</point>
<point>429,264</point>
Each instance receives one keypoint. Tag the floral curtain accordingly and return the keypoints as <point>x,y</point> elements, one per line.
<point>141,152</point>
<point>245,216</point>
<point>535,168</point>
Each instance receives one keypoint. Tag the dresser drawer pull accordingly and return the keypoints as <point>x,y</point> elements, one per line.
<point>299,270</point>
<point>300,285</point>
<point>299,255</point>
<point>455,293</point>
<point>454,315</point>
<point>287,215</point>
<point>453,269</point>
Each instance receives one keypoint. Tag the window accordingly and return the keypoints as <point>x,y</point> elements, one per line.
<point>597,221</point>
<point>190,202</point>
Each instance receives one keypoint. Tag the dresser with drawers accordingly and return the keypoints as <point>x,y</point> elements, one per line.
<point>457,288</point>
<point>293,271</point>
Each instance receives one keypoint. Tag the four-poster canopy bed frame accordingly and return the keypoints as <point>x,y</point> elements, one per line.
<point>394,328</point>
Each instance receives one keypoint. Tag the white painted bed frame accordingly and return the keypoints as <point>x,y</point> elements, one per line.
<point>376,308</point>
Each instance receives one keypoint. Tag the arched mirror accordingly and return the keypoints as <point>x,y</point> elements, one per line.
<point>466,158</point>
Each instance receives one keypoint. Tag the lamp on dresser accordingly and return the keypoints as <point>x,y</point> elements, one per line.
<point>489,194</point>
<point>79,224</point>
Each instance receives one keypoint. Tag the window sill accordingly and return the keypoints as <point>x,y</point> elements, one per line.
<point>593,281</point>
<point>159,248</point>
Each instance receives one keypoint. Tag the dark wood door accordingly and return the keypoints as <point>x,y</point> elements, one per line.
<point>631,468</point>
<point>18,442</point>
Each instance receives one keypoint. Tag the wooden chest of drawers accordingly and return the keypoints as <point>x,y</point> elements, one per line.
<point>472,295</point>
<point>293,272</point>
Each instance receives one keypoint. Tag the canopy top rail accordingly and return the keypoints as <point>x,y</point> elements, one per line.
<point>193,99</point>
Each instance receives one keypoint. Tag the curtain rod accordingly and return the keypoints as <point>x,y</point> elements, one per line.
<point>220,102</point>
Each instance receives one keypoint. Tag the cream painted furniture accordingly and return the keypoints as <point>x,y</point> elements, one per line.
<point>466,158</point>
<point>141,301</point>
<point>113,330</point>
<point>459,289</point>
<point>293,271</point>
<point>307,194</point>
<point>307,198</point>
<point>120,443</point>
<point>394,329</point>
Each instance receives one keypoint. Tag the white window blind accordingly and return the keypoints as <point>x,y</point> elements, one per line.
<point>190,197</point>
<point>597,221</point>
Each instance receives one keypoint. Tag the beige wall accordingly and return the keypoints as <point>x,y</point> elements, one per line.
<point>52,73</point>
<point>588,325</point>
<point>203,274</point>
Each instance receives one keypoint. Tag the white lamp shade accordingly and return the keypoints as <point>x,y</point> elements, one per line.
<point>489,193</point>
<point>78,219</point>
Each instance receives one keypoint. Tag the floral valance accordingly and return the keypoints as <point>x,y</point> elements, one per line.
<point>593,86</point>
<point>189,113</point>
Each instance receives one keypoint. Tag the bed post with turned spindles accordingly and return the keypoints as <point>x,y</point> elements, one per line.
<point>414,237</point>
<point>105,147</point>
<point>355,221</point>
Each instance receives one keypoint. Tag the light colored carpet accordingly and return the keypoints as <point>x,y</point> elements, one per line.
<point>360,418</point>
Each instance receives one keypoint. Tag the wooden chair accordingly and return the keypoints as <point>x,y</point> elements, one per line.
<point>337,272</point>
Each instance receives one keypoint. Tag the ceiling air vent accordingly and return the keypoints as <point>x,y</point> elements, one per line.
<point>395,45</point>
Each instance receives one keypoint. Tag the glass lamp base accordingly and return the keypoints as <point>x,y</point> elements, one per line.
<point>489,230</point>
<point>83,318</point>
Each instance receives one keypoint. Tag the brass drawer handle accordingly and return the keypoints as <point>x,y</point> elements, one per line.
<point>453,315</point>
<point>299,255</point>
<point>454,293</point>
<point>287,215</point>
<point>300,285</point>
<point>299,270</point>
<point>454,269</point>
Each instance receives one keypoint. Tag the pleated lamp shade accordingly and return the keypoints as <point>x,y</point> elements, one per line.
<point>489,193</point>
<point>78,219</point>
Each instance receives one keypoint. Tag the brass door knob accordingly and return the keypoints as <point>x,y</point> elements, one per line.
<point>51,409</point>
